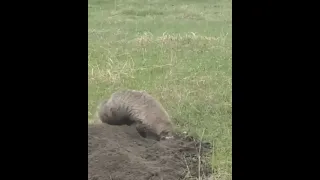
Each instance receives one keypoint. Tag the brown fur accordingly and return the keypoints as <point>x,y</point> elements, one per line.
<point>138,108</point>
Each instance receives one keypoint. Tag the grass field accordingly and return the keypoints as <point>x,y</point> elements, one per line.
<point>180,51</point>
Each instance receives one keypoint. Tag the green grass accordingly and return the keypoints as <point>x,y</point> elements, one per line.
<point>180,51</point>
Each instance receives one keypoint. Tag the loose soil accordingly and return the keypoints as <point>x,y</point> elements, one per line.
<point>120,153</point>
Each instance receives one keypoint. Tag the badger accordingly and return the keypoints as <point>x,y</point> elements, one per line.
<point>132,107</point>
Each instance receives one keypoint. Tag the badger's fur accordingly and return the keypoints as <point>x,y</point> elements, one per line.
<point>138,108</point>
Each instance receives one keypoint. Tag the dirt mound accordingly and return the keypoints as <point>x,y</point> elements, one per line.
<point>120,153</point>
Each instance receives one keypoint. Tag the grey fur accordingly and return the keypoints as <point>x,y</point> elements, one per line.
<point>137,108</point>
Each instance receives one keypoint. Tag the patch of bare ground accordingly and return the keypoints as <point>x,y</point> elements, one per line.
<point>120,153</point>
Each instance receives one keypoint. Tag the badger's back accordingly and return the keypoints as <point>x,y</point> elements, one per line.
<point>140,104</point>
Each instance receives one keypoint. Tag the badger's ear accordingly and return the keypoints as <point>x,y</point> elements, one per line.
<point>164,133</point>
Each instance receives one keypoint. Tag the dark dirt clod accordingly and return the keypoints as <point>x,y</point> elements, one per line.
<point>120,153</point>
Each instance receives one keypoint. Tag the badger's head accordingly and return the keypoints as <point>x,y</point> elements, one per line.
<point>165,131</point>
